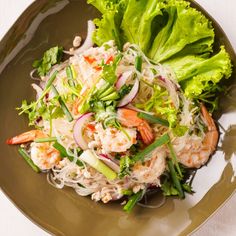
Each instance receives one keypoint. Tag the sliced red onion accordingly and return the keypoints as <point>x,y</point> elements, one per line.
<point>131,95</point>
<point>88,43</point>
<point>123,78</point>
<point>78,130</point>
<point>109,162</point>
<point>38,90</point>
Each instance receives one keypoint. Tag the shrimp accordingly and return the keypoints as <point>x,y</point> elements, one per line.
<point>152,169</point>
<point>26,137</point>
<point>112,139</point>
<point>129,118</point>
<point>44,155</point>
<point>196,153</point>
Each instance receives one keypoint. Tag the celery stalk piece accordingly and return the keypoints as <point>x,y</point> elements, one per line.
<point>89,157</point>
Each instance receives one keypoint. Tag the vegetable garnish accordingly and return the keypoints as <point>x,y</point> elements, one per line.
<point>174,158</point>
<point>63,105</point>
<point>153,119</point>
<point>157,143</point>
<point>138,63</point>
<point>45,140</point>
<point>38,109</point>
<point>133,200</point>
<point>51,57</point>
<point>63,153</point>
<point>125,166</point>
<point>127,114</point>
<point>175,178</point>
<point>27,158</point>
<point>109,70</point>
<point>50,82</point>
<point>191,57</point>
<point>90,158</point>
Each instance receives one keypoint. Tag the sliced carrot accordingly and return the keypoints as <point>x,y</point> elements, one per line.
<point>89,59</point>
<point>109,60</point>
<point>97,68</point>
<point>91,127</point>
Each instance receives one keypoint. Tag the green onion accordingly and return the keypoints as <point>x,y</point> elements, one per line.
<point>153,119</point>
<point>132,201</point>
<point>109,90</point>
<point>69,72</point>
<point>27,158</point>
<point>63,105</point>
<point>138,63</point>
<point>72,90</point>
<point>112,96</point>
<point>70,76</point>
<point>175,178</point>
<point>51,80</point>
<point>174,158</point>
<point>45,140</point>
<point>63,153</point>
<point>73,71</point>
<point>157,143</point>
<point>103,89</point>
<point>90,158</point>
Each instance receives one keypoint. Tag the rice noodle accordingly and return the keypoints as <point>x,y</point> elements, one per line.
<point>84,179</point>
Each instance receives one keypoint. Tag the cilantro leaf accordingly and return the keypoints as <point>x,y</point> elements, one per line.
<point>125,165</point>
<point>109,70</point>
<point>51,57</point>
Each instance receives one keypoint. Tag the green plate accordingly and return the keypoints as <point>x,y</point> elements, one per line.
<point>62,212</point>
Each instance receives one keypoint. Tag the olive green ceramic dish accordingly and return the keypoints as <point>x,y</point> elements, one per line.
<point>62,212</point>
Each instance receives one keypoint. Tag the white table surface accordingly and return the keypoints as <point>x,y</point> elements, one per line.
<point>223,223</point>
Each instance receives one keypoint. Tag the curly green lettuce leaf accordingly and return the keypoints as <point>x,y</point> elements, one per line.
<point>108,27</point>
<point>168,32</point>
<point>142,21</point>
<point>198,74</point>
<point>104,5</point>
<point>185,26</point>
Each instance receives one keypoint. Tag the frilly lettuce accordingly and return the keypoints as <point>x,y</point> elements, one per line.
<point>168,32</point>
<point>197,74</point>
<point>108,28</point>
<point>185,26</point>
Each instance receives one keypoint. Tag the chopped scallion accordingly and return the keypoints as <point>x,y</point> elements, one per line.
<point>175,178</point>
<point>174,158</point>
<point>157,143</point>
<point>90,158</point>
<point>27,158</point>
<point>112,96</point>
<point>153,119</point>
<point>138,63</point>
<point>51,80</point>
<point>45,140</point>
<point>70,76</point>
<point>69,73</point>
<point>63,153</point>
<point>132,201</point>
<point>63,105</point>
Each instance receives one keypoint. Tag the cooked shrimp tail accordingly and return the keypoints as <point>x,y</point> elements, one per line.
<point>212,136</point>
<point>195,154</point>
<point>26,137</point>
<point>129,118</point>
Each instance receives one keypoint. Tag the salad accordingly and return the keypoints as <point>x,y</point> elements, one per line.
<point>130,111</point>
